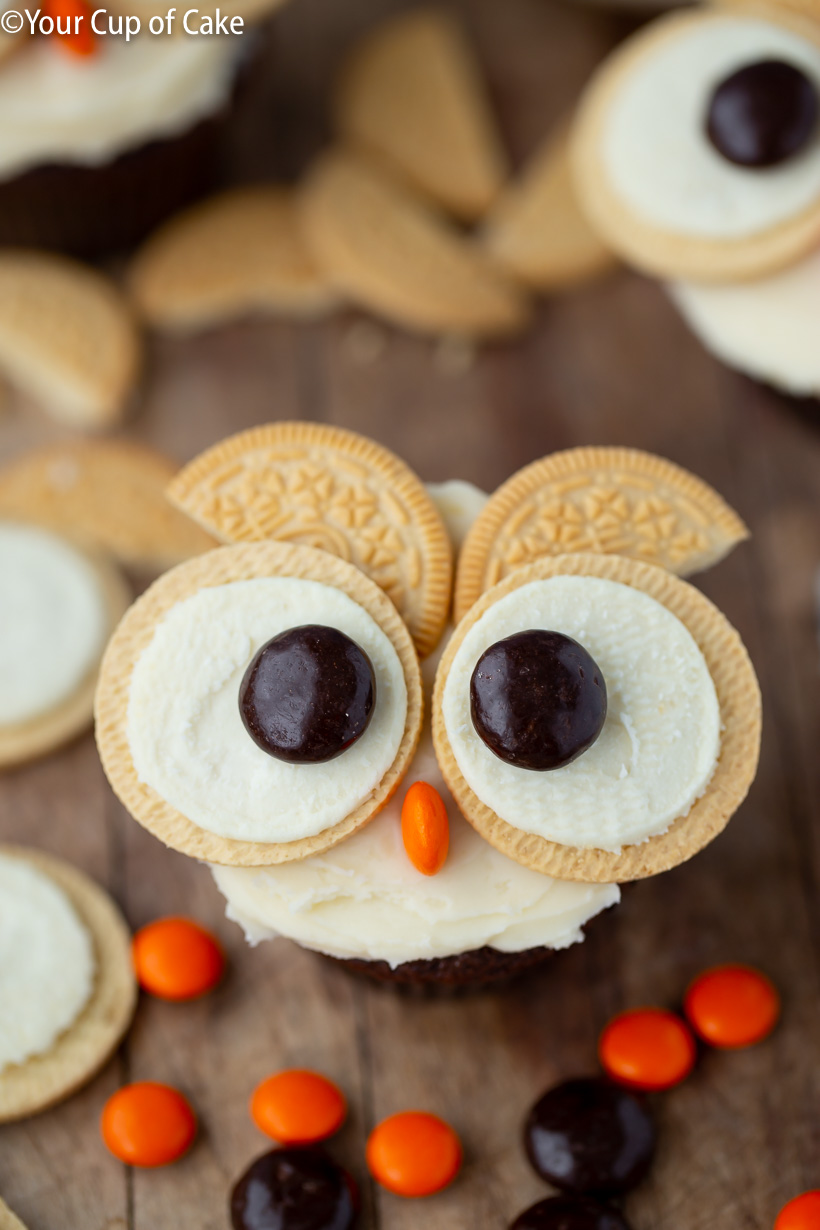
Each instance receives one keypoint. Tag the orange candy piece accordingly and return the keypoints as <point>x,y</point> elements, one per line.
<point>648,1048</point>
<point>148,1124</point>
<point>176,959</point>
<point>802,1213</point>
<point>425,829</point>
<point>414,1154</point>
<point>732,1006</point>
<point>72,24</point>
<point>298,1107</point>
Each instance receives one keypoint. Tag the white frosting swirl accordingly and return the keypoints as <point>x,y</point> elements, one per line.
<point>768,328</point>
<point>87,110</point>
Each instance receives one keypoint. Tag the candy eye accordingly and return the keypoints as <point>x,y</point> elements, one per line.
<point>763,114</point>
<point>537,699</point>
<point>308,695</point>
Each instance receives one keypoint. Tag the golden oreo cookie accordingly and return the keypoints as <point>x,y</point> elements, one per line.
<point>613,501</point>
<point>738,698</point>
<point>412,97</point>
<point>387,251</point>
<point>333,489</point>
<point>108,495</point>
<point>537,231</point>
<point>238,253</point>
<point>67,338</point>
<point>80,1052</point>
<point>653,169</point>
<point>246,562</point>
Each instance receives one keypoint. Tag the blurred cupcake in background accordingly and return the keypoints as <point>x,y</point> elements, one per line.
<point>102,138</point>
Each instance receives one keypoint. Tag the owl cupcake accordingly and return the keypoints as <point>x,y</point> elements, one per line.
<point>262,706</point>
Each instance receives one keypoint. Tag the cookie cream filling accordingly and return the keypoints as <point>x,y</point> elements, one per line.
<point>660,742</point>
<point>87,110</point>
<point>46,962</point>
<point>53,622</point>
<point>658,157</point>
<point>185,731</point>
<point>768,328</point>
<point>365,899</point>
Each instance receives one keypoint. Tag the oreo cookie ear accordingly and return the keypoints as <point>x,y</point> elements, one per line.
<point>607,501</point>
<point>313,485</point>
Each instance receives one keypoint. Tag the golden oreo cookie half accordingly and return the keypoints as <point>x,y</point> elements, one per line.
<point>169,731</point>
<point>108,495</point>
<point>67,338</point>
<point>537,231</point>
<point>613,501</point>
<point>332,489</point>
<point>388,251</point>
<point>412,97</point>
<point>239,253</point>
<point>679,745</point>
<point>8,1221</point>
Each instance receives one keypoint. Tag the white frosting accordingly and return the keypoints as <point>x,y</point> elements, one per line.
<point>769,328</point>
<point>46,962</point>
<point>53,622</point>
<point>659,745</point>
<point>365,898</point>
<point>458,503</point>
<point>658,157</point>
<point>186,735</point>
<point>87,110</point>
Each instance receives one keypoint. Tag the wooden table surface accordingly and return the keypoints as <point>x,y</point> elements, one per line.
<point>611,364</point>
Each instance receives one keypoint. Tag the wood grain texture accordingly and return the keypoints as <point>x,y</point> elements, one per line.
<point>612,364</point>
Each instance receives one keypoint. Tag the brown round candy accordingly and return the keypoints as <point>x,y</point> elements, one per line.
<point>590,1138</point>
<point>294,1189</point>
<point>763,114</point>
<point>570,1213</point>
<point>308,695</point>
<point>537,699</point>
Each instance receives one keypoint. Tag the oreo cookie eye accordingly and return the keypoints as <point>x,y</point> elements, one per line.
<point>763,114</point>
<point>308,695</point>
<point>537,699</point>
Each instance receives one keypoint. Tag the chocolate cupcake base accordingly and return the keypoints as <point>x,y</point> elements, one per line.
<point>466,971</point>
<point>93,211</point>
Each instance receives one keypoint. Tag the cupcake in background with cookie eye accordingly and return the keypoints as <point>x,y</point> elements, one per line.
<point>260,708</point>
<point>697,159</point>
<point>107,136</point>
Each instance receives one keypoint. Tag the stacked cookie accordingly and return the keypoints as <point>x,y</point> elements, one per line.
<point>697,159</point>
<point>381,219</point>
<point>261,707</point>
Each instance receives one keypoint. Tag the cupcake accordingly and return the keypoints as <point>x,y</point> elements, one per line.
<point>99,148</point>
<point>215,740</point>
<point>697,158</point>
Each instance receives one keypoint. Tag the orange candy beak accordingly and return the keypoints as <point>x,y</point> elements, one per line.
<point>72,24</point>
